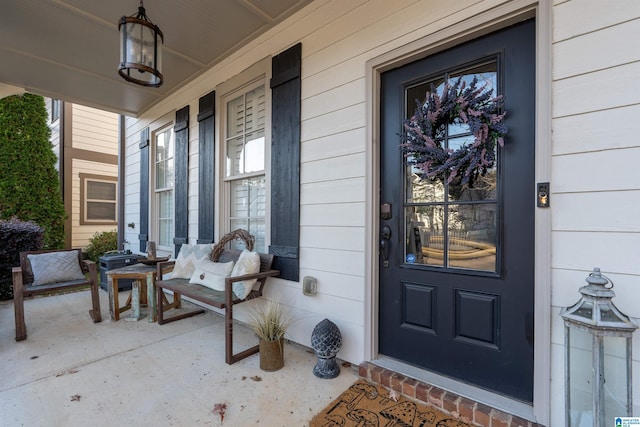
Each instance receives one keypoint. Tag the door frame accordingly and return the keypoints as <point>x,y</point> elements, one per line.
<point>451,34</point>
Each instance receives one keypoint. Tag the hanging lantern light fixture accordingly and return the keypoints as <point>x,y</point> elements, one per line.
<point>140,49</point>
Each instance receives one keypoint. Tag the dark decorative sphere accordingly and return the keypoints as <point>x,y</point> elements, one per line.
<point>326,340</point>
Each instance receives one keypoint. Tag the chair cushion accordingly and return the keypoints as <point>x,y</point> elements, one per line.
<point>211,274</point>
<point>55,267</point>
<point>187,258</point>
<point>248,263</point>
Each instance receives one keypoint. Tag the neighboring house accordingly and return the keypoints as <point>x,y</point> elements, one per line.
<point>295,137</point>
<point>86,142</point>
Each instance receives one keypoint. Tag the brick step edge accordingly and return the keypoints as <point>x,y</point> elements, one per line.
<point>457,406</point>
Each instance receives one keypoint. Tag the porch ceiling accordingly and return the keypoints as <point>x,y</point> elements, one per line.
<point>68,49</point>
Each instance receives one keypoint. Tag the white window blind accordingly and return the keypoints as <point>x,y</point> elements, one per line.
<point>99,199</point>
<point>245,145</point>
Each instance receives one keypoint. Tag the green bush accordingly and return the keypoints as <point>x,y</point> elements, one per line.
<point>101,243</point>
<point>30,184</point>
<point>16,236</point>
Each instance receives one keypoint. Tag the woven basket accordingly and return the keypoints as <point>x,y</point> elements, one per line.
<point>241,234</point>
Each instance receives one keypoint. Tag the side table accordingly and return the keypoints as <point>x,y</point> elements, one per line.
<point>144,276</point>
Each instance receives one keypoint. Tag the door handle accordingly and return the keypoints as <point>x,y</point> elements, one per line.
<point>385,245</point>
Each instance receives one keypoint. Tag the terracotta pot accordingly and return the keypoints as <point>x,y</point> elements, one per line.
<point>271,355</point>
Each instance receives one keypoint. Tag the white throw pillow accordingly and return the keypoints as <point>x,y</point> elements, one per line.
<point>248,263</point>
<point>188,257</point>
<point>54,267</point>
<point>211,274</point>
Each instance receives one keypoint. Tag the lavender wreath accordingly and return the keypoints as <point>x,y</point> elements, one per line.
<point>425,132</point>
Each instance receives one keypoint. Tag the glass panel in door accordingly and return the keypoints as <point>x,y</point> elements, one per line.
<point>449,224</point>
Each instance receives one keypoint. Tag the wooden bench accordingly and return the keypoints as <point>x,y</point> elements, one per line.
<point>22,287</point>
<point>222,300</point>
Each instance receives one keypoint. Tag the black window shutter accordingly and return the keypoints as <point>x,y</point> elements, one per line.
<point>144,189</point>
<point>285,161</point>
<point>206,167</point>
<point>181,195</point>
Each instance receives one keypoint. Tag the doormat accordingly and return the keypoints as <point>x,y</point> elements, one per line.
<point>365,404</point>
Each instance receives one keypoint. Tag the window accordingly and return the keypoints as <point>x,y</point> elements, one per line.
<point>245,146</point>
<point>448,224</point>
<point>164,174</point>
<point>98,199</point>
<point>55,109</point>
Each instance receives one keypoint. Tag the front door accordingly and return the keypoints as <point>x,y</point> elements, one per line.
<point>457,262</point>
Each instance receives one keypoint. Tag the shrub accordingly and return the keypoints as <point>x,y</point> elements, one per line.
<point>30,184</point>
<point>101,243</point>
<point>16,236</point>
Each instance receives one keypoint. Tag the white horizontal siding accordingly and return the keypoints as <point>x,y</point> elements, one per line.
<point>336,284</point>
<point>576,17</point>
<point>345,190</point>
<point>614,253</point>
<point>341,144</point>
<point>607,48</point>
<point>340,97</point>
<point>600,211</point>
<point>333,168</point>
<point>595,180</point>
<point>346,238</point>
<point>608,170</point>
<point>338,214</point>
<point>606,129</point>
<point>132,190</point>
<point>596,91</point>
<point>334,122</point>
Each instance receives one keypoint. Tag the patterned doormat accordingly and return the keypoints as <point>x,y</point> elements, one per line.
<point>365,404</point>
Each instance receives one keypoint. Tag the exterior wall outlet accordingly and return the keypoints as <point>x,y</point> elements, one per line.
<point>309,286</point>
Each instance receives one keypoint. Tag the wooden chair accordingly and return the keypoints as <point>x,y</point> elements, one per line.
<point>23,287</point>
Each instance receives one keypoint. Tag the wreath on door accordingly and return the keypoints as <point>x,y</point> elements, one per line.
<point>459,103</point>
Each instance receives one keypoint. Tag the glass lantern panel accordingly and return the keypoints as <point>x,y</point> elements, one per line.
<point>147,54</point>
<point>609,315</point>
<point>616,378</point>
<point>585,311</point>
<point>580,378</point>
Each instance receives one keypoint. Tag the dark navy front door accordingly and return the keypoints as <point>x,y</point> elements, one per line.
<point>457,290</point>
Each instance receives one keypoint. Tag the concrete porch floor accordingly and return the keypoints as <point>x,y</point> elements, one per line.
<point>72,372</point>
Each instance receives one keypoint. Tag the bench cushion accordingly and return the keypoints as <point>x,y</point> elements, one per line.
<point>188,257</point>
<point>248,263</point>
<point>211,274</point>
<point>54,267</point>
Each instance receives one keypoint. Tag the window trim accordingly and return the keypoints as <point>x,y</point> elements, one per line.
<point>84,178</point>
<point>256,75</point>
<point>163,124</point>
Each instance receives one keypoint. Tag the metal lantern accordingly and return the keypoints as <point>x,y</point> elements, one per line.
<point>140,49</point>
<point>597,356</point>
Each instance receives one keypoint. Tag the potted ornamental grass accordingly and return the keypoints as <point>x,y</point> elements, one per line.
<point>270,320</point>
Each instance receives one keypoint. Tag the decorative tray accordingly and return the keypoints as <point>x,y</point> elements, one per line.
<point>153,261</point>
